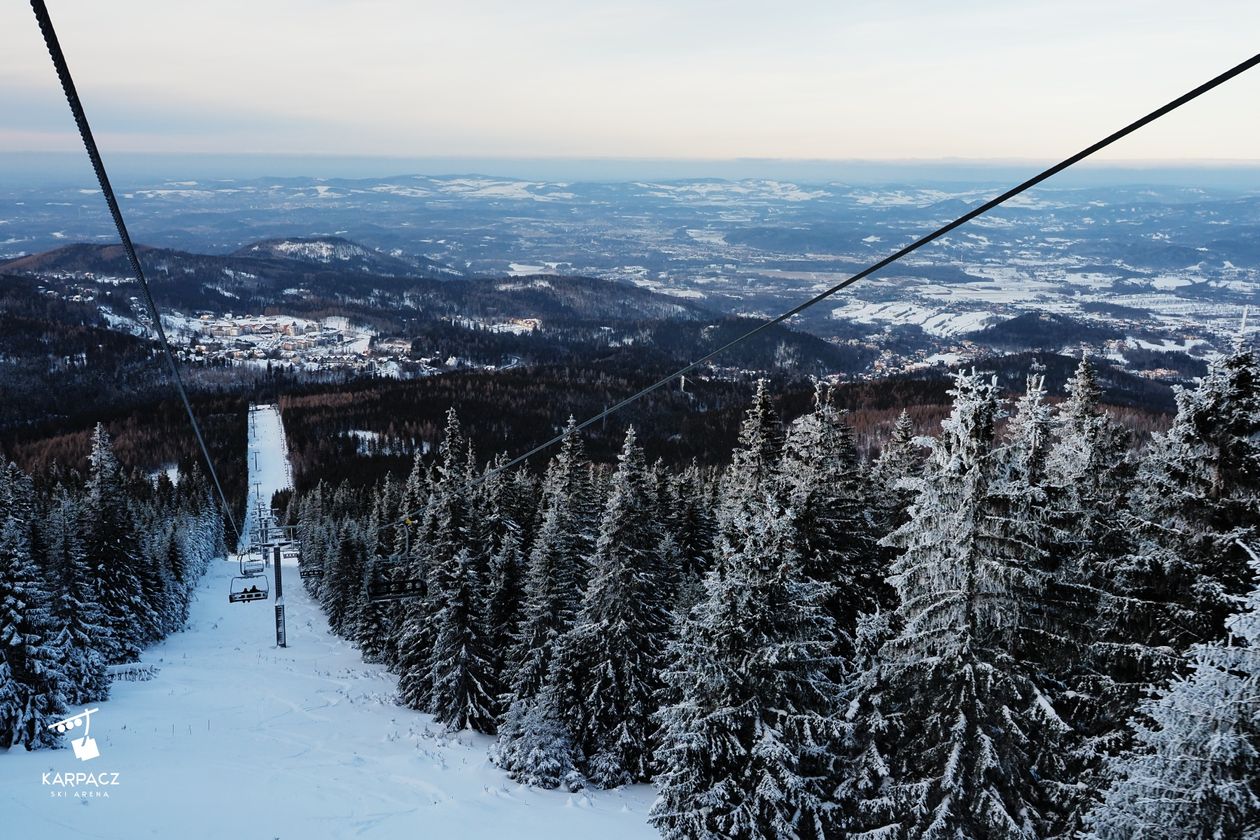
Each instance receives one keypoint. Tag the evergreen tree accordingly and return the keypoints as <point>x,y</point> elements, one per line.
<point>825,495</point>
<point>31,664</point>
<point>1195,768</point>
<point>604,677</point>
<point>75,610</point>
<point>1197,500</point>
<point>342,591</point>
<point>503,609</point>
<point>896,472</point>
<point>553,585</point>
<point>375,628</point>
<point>969,714</point>
<point>693,526</point>
<point>864,804</point>
<point>441,535</point>
<point>111,544</point>
<point>753,464</point>
<point>1105,660</point>
<point>464,690</point>
<point>746,749</point>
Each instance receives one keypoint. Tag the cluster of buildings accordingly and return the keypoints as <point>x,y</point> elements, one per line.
<point>299,342</point>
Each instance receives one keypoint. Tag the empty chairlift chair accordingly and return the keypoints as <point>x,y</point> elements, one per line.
<point>387,579</point>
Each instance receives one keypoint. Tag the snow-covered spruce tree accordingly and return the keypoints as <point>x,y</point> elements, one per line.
<point>374,632</point>
<point>1051,643</point>
<point>434,537</point>
<point>746,747</point>
<point>155,529</point>
<point>554,579</point>
<point>435,542</point>
<point>1194,770</point>
<point>75,610</point>
<point>504,601</point>
<point>464,691</point>
<point>604,676</point>
<point>1197,498</point>
<point>895,471</point>
<point>824,492</point>
<point>28,630</point>
<point>694,529</point>
<point>342,592</point>
<point>461,675</point>
<point>753,463</point>
<point>969,714</point>
<point>406,620</point>
<point>112,546</point>
<point>1105,658</point>
<point>310,527</point>
<point>862,802</point>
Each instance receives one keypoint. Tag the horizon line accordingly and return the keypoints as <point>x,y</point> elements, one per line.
<point>746,159</point>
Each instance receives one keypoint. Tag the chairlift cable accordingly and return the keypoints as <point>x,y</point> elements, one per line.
<point>85,131</point>
<point>992,203</point>
<point>89,142</point>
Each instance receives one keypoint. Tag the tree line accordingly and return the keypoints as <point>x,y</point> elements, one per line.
<point>1023,626</point>
<point>93,568</point>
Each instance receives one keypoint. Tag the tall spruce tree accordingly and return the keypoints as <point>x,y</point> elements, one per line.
<point>75,610</point>
<point>604,677</point>
<point>824,492</point>
<point>1194,770</point>
<point>504,601</point>
<point>554,580</point>
<point>441,535</point>
<point>753,466</point>
<point>746,747</point>
<point>1197,500</point>
<point>464,688</point>
<point>895,473</point>
<point>112,546</point>
<point>969,714</point>
<point>31,662</point>
<point>1106,657</point>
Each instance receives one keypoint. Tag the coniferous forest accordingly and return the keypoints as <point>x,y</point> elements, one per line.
<point>1025,623</point>
<point>94,568</point>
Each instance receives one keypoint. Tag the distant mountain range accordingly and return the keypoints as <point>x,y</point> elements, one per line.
<point>485,320</point>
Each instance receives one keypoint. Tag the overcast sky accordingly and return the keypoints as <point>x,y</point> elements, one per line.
<point>898,79</point>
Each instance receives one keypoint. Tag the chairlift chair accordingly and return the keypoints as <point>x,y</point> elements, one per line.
<point>251,563</point>
<point>246,588</point>
<point>383,581</point>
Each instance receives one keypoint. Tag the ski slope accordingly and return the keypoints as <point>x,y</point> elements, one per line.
<point>237,738</point>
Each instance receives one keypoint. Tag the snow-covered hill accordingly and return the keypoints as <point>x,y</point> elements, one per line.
<point>335,252</point>
<point>235,737</point>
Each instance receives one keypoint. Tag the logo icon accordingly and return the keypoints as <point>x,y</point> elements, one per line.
<point>85,747</point>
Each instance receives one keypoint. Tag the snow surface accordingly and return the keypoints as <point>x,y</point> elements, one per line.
<point>933,321</point>
<point>235,737</point>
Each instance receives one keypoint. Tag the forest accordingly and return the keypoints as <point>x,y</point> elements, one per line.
<point>94,568</point>
<point>1031,623</point>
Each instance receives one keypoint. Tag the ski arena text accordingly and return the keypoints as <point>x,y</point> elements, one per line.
<point>79,785</point>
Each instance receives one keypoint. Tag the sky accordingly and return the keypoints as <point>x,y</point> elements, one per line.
<point>649,79</point>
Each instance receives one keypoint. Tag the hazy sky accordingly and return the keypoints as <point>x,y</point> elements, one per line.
<point>671,79</point>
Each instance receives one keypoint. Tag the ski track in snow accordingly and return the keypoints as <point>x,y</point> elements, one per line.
<point>237,738</point>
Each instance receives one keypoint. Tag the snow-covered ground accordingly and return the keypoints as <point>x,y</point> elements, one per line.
<point>235,737</point>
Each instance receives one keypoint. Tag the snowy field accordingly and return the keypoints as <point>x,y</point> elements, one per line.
<point>237,738</point>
